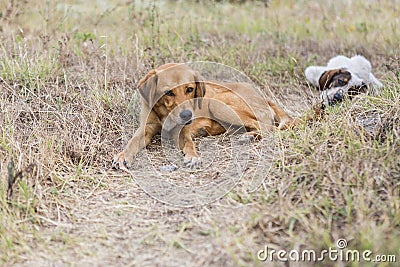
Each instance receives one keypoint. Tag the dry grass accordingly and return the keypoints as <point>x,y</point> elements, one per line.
<point>68,103</point>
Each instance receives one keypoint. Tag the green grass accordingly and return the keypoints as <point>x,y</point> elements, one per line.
<point>68,74</point>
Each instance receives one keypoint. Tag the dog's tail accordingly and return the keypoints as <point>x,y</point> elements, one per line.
<point>282,119</point>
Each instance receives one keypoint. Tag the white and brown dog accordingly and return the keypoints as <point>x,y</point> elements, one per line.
<point>342,77</point>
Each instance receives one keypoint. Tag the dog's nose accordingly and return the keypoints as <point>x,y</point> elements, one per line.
<point>337,97</point>
<point>186,115</point>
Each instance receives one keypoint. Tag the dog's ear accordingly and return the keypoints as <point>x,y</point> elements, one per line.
<point>200,90</point>
<point>147,87</point>
<point>334,78</point>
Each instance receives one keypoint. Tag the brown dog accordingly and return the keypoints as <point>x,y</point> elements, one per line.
<point>177,101</point>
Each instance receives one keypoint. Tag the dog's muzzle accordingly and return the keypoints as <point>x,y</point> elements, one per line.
<point>186,117</point>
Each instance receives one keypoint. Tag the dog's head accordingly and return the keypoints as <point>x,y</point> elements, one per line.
<point>173,90</point>
<point>338,83</point>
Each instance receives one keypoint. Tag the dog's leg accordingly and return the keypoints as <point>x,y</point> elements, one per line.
<point>285,122</point>
<point>140,139</point>
<point>239,116</point>
<point>202,126</point>
<point>253,132</point>
<point>188,147</point>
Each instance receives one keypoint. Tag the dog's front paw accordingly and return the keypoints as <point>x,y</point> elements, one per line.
<point>250,137</point>
<point>192,162</point>
<point>121,160</point>
<point>246,138</point>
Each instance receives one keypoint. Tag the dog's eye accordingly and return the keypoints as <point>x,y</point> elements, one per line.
<point>189,90</point>
<point>342,82</point>
<point>169,93</point>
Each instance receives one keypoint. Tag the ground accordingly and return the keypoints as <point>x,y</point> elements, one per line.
<point>68,103</point>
